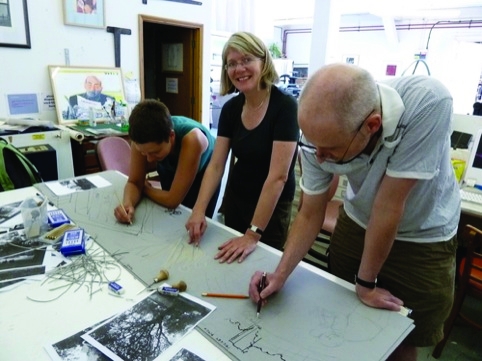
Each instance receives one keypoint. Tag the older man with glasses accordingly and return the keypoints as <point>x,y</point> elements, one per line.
<point>395,237</point>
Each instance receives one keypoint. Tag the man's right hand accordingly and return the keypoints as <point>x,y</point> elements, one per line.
<point>273,284</point>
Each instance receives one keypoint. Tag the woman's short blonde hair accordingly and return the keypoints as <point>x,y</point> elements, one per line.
<point>248,44</point>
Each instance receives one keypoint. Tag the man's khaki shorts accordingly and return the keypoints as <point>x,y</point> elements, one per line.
<point>422,275</point>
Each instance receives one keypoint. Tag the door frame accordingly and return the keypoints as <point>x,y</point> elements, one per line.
<point>197,71</point>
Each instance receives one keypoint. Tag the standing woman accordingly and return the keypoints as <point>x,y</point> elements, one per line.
<point>260,127</point>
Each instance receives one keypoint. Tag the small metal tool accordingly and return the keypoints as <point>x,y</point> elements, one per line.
<point>163,275</point>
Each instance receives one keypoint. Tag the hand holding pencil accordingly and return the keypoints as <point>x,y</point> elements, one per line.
<point>124,214</point>
<point>263,285</point>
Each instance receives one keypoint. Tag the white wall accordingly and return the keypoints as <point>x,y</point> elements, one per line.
<point>297,49</point>
<point>451,57</point>
<point>26,70</point>
<point>454,62</point>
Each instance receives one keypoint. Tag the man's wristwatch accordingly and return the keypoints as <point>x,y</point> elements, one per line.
<point>364,283</point>
<point>255,229</point>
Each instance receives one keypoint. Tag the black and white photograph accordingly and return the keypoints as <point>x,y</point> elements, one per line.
<point>22,257</point>
<point>80,184</point>
<point>149,328</point>
<point>68,186</point>
<point>19,256</point>
<point>8,211</point>
<point>186,355</point>
<point>74,348</point>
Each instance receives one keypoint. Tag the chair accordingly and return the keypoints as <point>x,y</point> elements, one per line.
<point>114,154</point>
<point>469,283</point>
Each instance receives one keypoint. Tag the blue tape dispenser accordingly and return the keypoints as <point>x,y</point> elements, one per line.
<point>73,242</point>
<point>57,217</point>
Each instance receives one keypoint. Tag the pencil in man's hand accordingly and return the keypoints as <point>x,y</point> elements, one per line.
<point>262,285</point>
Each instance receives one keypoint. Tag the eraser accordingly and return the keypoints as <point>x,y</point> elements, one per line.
<point>57,217</point>
<point>405,311</point>
<point>168,291</point>
<point>73,242</point>
<point>116,288</point>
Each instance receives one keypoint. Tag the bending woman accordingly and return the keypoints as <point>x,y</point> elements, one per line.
<point>181,149</point>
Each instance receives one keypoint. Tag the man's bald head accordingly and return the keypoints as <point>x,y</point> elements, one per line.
<point>338,93</point>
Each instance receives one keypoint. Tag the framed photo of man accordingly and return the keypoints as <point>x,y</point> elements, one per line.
<point>80,92</point>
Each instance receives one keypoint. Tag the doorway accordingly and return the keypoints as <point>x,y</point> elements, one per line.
<point>170,64</point>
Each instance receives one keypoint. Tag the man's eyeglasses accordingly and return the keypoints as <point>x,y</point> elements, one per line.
<point>306,147</point>
<point>312,150</point>
<point>244,62</point>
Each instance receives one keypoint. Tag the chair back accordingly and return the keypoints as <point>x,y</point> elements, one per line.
<point>114,153</point>
<point>470,270</point>
<point>469,282</point>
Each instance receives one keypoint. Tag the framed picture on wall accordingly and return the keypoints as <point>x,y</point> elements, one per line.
<point>172,57</point>
<point>351,59</point>
<point>88,13</point>
<point>80,92</point>
<point>14,29</point>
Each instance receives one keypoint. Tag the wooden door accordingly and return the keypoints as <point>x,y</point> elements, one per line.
<point>170,63</point>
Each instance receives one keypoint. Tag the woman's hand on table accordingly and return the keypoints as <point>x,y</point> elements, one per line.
<point>237,248</point>
<point>196,225</point>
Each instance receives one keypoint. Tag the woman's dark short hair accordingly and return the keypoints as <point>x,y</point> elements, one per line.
<point>150,121</point>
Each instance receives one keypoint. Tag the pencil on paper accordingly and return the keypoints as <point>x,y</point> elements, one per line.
<point>122,206</point>
<point>262,285</point>
<point>224,295</point>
